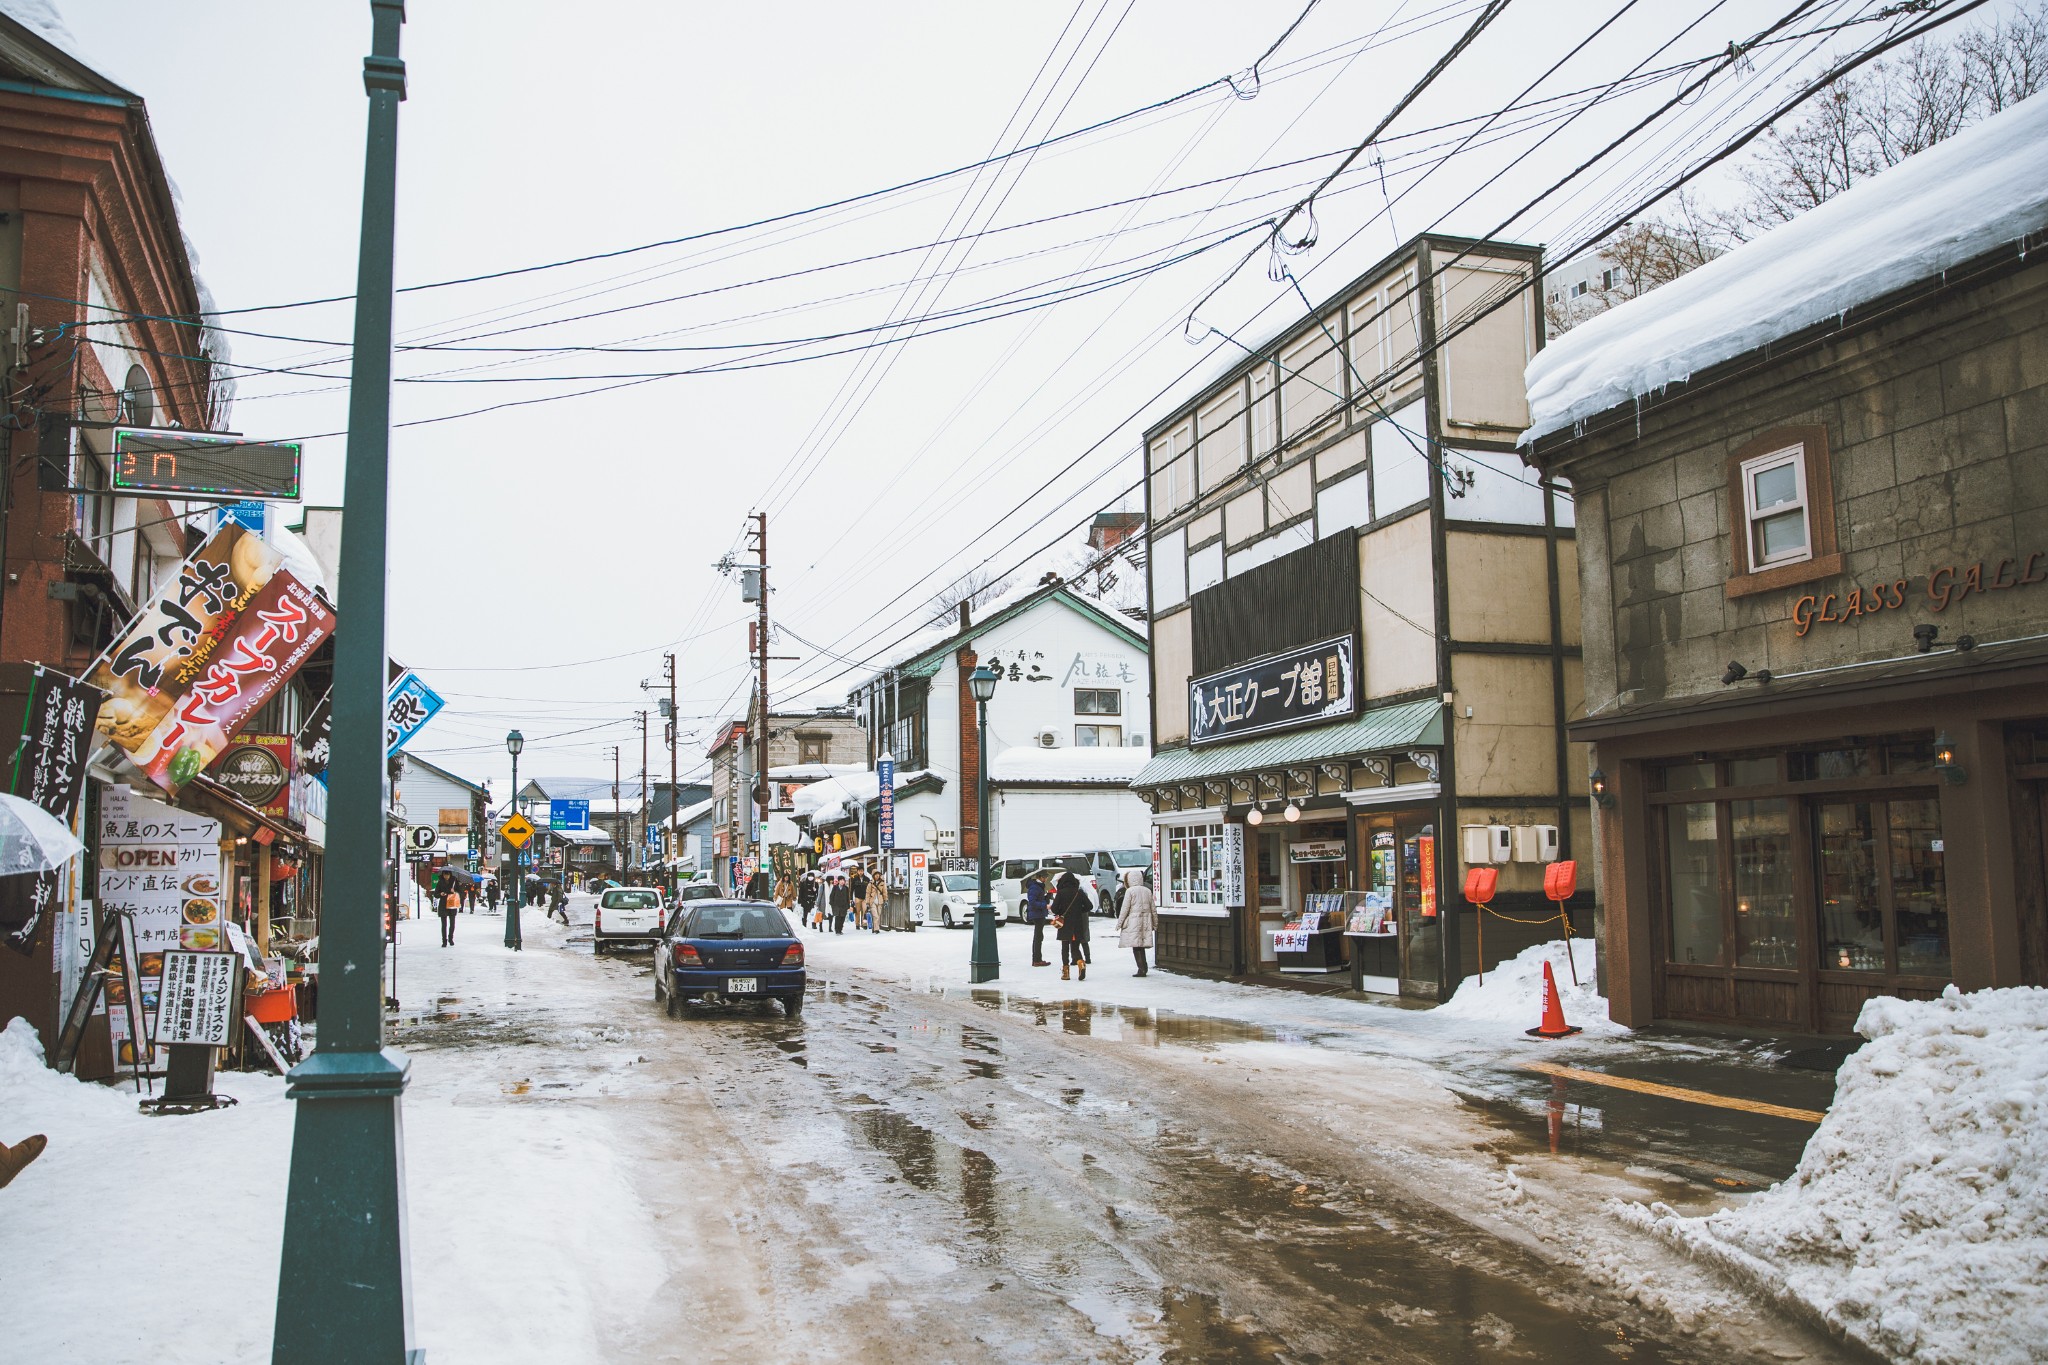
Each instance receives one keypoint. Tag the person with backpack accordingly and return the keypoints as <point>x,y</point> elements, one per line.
<point>1070,912</point>
<point>1037,914</point>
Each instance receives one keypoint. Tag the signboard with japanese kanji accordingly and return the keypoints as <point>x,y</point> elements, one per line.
<point>162,866</point>
<point>1308,685</point>
<point>409,705</point>
<point>49,771</point>
<point>197,1001</point>
<point>215,643</point>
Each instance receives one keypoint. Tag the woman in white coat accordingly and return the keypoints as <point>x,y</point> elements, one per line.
<point>1138,921</point>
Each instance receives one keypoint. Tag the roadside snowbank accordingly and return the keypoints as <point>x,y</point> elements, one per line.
<point>1917,1222</point>
<point>1512,992</point>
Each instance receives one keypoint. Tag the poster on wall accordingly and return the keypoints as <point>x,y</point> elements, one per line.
<point>1232,869</point>
<point>196,1003</point>
<point>48,770</point>
<point>161,866</point>
<point>213,645</point>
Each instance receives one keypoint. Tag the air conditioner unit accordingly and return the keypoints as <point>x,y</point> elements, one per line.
<point>1048,739</point>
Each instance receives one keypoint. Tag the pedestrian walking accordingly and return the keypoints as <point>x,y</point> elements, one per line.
<point>807,896</point>
<point>491,894</point>
<point>785,892</point>
<point>877,901</point>
<point>1070,912</point>
<point>857,887</point>
<point>1037,914</point>
<point>1138,921</point>
<point>842,901</point>
<point>449,902</point>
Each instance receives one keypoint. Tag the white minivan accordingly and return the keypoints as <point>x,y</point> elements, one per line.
<point>628,914</point>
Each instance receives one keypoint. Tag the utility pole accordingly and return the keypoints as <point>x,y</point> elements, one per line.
<point>640,854</point>
<point>615,797</point>
<point>343,1281</point>
<point>761,789</point>
<point>675,798</point>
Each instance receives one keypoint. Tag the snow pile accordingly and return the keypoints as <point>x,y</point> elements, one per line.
<point>1512,992</point>
<point>836,798</point>
<point>1984,188</point>
<point>1077,766</point>
<point>1917,1222</point>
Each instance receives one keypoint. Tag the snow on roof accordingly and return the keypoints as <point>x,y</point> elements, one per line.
<point>835,798</point>
<point>813,772</point>
<point>690,815</point>
<point>1981,189</point>
<point>1028,764</point>
<point>581,836</point>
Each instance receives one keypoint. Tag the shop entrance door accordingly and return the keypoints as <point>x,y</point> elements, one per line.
<point>1421,926</point>
<point>1882,902</point>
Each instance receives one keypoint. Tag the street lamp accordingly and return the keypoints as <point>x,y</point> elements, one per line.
<point>343,1283</point>
<point>514,742</point>
<point>986,965</point>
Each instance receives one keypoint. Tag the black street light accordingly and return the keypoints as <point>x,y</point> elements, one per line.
<point>514,742</point>
<point>986,964</point>
<point>343,1287</point>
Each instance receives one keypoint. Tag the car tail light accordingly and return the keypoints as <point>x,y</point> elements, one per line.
<point>597,921</point>
<point>793,955</point>
<point>686,956</point>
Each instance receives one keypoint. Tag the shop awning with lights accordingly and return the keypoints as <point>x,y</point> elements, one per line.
<point>1404,725</point>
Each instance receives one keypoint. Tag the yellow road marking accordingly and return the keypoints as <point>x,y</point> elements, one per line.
<point>1675,1092</point>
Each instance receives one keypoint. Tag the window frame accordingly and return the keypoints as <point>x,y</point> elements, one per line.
<point>1114,693</point>
<point>1791,457</point>
<point>1095,740</point>
<point>1823,558</point>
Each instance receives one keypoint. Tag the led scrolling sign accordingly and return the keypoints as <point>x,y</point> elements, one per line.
<point>186,464</point>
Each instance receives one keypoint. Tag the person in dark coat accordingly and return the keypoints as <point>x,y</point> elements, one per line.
<point>447,901</point>
<point>841,901</point>
<point>1070,912</point>
<point>807,895</point>
<point>491,894</point>
<point>1037,914</point>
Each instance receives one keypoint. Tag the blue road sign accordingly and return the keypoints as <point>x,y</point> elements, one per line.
<point>568,814</point>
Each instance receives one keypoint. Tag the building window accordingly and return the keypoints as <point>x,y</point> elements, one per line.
<point>1194,865</point>
<point>1774,508</point>
<point>1098,736</point>
<point>1782,506</point>
<point>810,748</point>
<point>1098,701</point>
<point>1607,279</point>
<point>1578,289</point>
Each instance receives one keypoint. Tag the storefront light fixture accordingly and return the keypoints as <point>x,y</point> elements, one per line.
<point>1292,813</point>
<point>1945,761</point>
<point>1599,781</point>
<point>1255,816</point>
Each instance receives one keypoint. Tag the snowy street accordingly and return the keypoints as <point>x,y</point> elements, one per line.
<point>1162,1169</point>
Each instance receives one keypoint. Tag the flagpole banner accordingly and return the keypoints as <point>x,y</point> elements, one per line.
<point>409,705</point>
<point>213,645</point>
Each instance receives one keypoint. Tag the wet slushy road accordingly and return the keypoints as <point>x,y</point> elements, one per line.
<point>910,1174</point>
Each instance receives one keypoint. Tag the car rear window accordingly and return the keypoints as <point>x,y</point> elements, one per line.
<point>738,921</point>
<point>631,900</point>
<point>700,893</point>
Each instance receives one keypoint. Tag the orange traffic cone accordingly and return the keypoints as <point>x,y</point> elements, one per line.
<point>1553,1025</point>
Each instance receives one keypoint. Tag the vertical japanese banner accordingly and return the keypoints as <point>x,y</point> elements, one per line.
<point>213,645</point>
<point>162,866</point>
<point>409,705</point>
<point>885,795</point>
<point>1233,865</point>
<point>48,769</point>
<point>920,886</point>
<point>1425,856</point>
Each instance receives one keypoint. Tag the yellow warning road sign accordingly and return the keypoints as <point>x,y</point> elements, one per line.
<point>517,831</point>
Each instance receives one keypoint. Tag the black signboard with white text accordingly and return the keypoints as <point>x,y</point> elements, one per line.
<point>47,767</point>
<point>1307,685</point>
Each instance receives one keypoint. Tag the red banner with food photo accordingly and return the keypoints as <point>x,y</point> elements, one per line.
<point>214,644</point>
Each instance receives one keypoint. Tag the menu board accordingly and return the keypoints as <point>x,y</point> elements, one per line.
<point>197,1002</point>
<point>162,866</point>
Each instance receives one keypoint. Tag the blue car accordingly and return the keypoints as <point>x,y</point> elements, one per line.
<point>729,950</point>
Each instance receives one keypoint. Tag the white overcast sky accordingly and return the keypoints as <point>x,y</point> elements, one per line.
<point>529,540</point>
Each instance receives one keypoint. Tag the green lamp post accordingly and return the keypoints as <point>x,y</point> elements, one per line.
<point>343,1290</point>
<point>514,742</point>
<point>986,964</point>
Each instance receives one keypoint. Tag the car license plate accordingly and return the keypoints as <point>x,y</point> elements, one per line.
<point>743,985</point>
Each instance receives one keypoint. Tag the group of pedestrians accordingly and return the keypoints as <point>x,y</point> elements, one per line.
<point>832,898</point>
<point>1066,908</point>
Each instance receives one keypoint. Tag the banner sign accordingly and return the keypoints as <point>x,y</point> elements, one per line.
<point>197,1001</point>
<point>1231,871</point>
<point>1292,940</point>
<point>885,816</point>
<point>568,814</point>
<point>258,769</point>
<point>1304,686</point>
<point>213,645</point>
<point>1317,851</point>
<point>48,769</point>
<point>315,738</point>
<point>409,705</point>
<point>920,887</point>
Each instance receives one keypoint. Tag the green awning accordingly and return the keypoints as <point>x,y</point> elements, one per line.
<point>1417,724</point>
